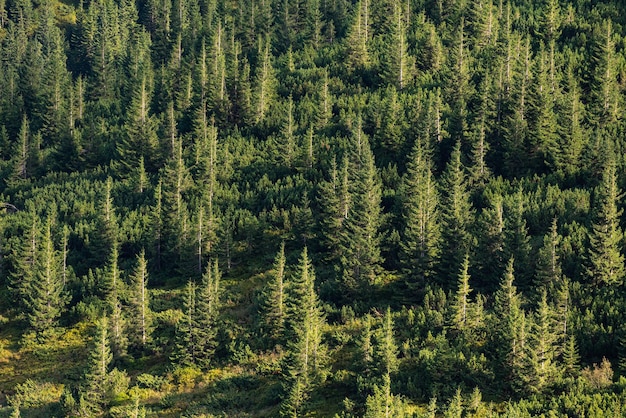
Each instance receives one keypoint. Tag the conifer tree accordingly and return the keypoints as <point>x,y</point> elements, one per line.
<point>398,65</point>
<point>606,104</point>
<point>383,403</point>
<point>334,200</point>
<point>570,358</point>
<point>357,41</point>
<point>186,344</point>
<point>141,139</point>
<point>549,272</point>
<point>265,81</point>
<point>517,242</point>
<point>544,130</point>
<point>386,350</point>
<point>141,315</point>
<point>456,217</point>
<point>420,246</point>
<point>605,259</point>
<point>25,261</point>
<point>207,307</point>
<point>22,160</point>
<point>460,87</point>
<point>461,304</point>
<point>543,340</point>
<point>46,299</point>
<point>571,140</point>
<point>365,379</point>
<point>361,257</point>
<point>479,169</point>
<point>113,288</point>
<point>274,303</point>
<point>177,183</point>
<point>96,376</point>
<point>509,330</point>
<point>305,366</point>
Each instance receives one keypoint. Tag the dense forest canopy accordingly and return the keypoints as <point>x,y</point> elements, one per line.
<point>312,208</point>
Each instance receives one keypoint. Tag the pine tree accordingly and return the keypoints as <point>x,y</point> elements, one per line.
<point>25,262</point>
<point>460,87</point>
<point>543,341</point>
<point>305,366</point>
<point>177,183</point>
<point>360,258</point>
<point>398,65</point>
<point>357,41</point>
<point>544,124</point>
<point>46,299</point>
<point>265,81</point>
<point>383,403</point>
<point>517,241</point>
<point>386,350</point>
<point>571,358</point>
<point>333,200</point>
<point>572,137</point>
<point>606,103</point>
<point>96,376</point>
<point>421,238</point>
<point>186,344</point>
<point>140,139</point>
<point>113,289</point>
<point>22,159</point>
<point>274,307</point>
<point>141,315</point>
<point>509,330</point>
<point>207,307</point>
<point>456,217</point>
<point>605,259</point>
<point>549,272</point>
<point>461,305</point>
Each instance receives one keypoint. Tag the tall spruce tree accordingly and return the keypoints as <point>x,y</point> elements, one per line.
<point>207,308</point>
<point>461,306</point>
<point>97,373</point>
<point>141,315</point>
<point>46,298</point>
<point>456,216</point>
<point>361,258</point>
<point>305,366</point>
<point>274,297</point>
<point>605,261</point>
<point>422,232</point>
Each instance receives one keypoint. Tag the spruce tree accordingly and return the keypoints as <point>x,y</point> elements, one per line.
<point>548,272</point>
<point>361,258</point>
<point>96,375</point>
<point>141,315</point>
<point>456,218</point>
<point>207,307</point>
<point>305,366</point>
<point>357,41</point>
<point>422,232</point>
<point>461,305</point>
<point>274,295</point>
<point>265,81</point>
<point>605,261</point>
<point>186,343</point>
<point>543,341</point>
<point>509,331</point>
<point>47,298</point>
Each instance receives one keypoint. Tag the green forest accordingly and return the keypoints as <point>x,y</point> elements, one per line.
<point>312,208</point>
